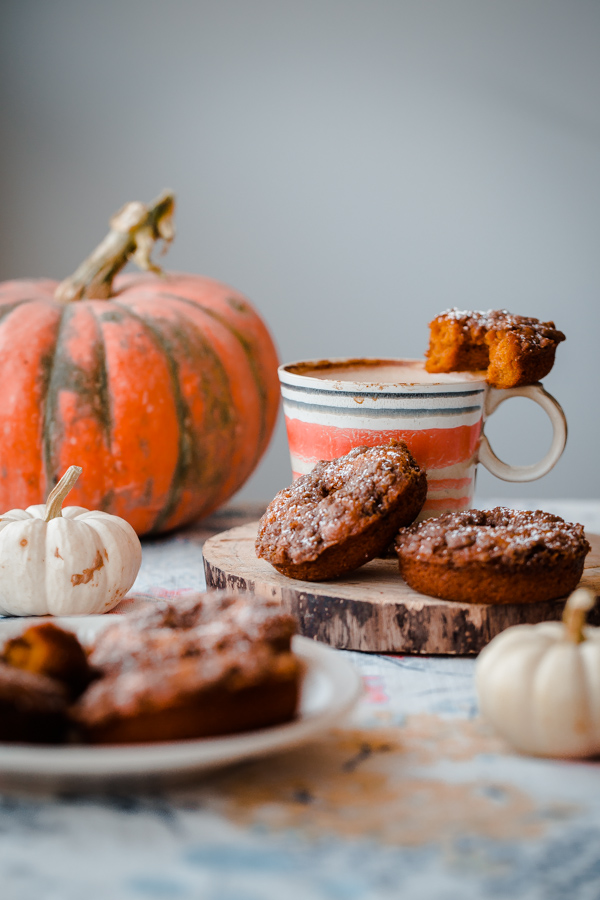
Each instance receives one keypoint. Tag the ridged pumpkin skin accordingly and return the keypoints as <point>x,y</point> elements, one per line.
<point>166,393</point>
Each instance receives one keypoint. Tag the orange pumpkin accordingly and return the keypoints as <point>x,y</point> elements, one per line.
<point>163,386</point>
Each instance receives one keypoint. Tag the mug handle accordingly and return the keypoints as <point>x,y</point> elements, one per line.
<point>552,407</point>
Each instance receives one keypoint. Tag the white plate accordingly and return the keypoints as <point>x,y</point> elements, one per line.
<point>330,690</point>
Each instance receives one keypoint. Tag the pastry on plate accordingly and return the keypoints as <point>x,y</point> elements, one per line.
<point>199,666</point>
<point>212,664</point>
<point>240,689</point>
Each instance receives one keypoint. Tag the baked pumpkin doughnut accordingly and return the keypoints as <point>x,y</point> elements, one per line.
<point>204,665</point>
<point>515,350</point>
<point>493,556</point>
<point>343,513</point>
<point>240,689</point>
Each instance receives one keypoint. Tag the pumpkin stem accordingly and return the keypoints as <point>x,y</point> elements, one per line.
<point>133,232</point>
<point>57,495</point>
<point>579,603</point>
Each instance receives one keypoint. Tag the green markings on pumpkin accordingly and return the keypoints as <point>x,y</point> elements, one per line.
<point>238,304</point>
<point>251,355</point>
<point>212,454</point>
<point>111,313</point>
<point>88,386</point>
<point>183,451</point>
<point>47,368</point>
<point>101,399</point>
<point>106,504</point>
<point>262,394</point>
<point>197,465</point>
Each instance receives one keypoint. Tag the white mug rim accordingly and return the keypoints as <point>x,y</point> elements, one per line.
<point>287,377</point>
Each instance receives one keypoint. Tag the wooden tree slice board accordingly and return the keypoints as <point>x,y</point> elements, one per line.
<point>373,609</point>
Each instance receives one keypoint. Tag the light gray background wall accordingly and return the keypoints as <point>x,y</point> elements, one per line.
<point>353,167</point>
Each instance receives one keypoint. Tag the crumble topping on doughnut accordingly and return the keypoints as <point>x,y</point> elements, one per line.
<point>501,536</point>
<point>195,625</point>
<point>529,331</point>
<point>338,499</point>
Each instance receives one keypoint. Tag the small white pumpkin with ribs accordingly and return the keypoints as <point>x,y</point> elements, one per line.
<point>539,685</point>
<point>65,562</point>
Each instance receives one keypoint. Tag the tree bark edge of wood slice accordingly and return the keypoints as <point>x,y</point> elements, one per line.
<point>373,609</point>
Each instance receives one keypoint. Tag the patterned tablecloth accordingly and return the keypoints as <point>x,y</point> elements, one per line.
<point>413,797</point>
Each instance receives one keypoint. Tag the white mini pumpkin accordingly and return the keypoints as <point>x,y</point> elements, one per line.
<point>65,562</point>
<point>539,685</point>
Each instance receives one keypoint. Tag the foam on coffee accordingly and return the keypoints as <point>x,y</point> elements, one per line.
<point>380,371</point>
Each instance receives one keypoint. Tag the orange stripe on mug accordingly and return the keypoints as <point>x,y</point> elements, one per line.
<point>432,448</point>
<point>444,504</point>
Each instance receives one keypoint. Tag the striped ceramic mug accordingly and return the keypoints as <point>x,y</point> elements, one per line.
<point>334,405</point>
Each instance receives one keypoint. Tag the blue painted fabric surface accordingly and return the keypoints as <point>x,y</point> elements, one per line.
<point>413,797</point>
